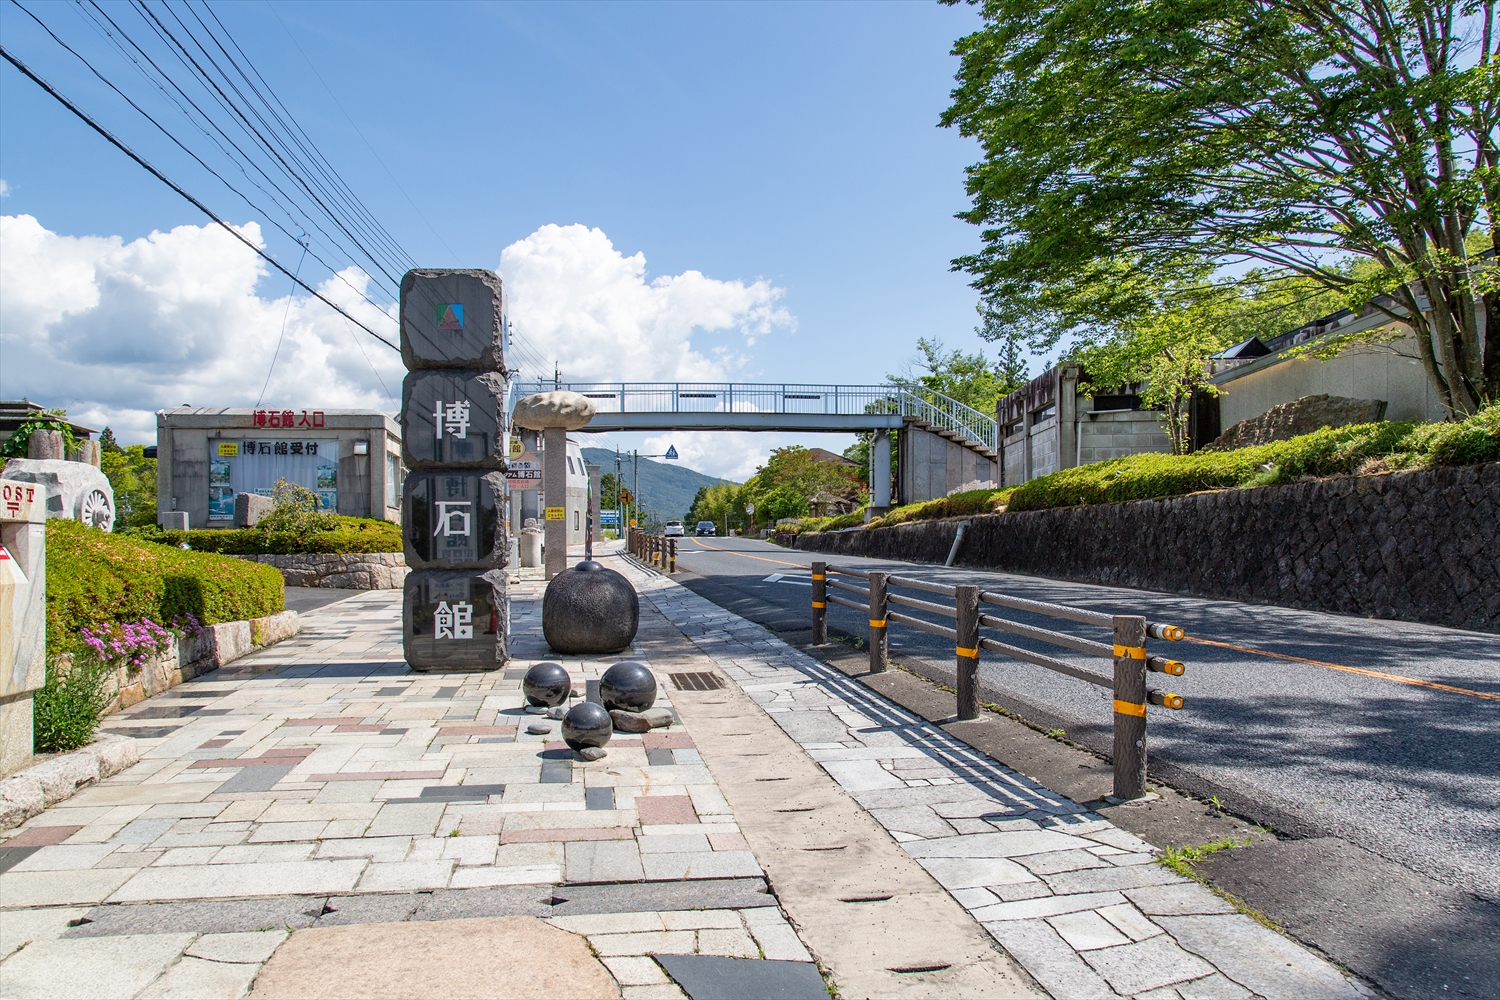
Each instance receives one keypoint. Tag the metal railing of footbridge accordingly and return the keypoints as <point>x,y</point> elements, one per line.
<point>902,399</point>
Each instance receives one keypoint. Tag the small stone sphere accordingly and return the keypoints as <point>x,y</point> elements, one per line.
<point>588,610</point>
<point>546,684</point>
<point>628,686</point>
<point>587,725</point>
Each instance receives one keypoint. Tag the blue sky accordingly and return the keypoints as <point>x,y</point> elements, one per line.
<point>788,152</point>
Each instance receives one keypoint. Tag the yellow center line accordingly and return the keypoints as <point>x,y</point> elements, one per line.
<point>746,555</point>
<point>1353,670</point>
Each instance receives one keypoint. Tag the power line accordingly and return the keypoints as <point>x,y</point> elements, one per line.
<point>83,116</point>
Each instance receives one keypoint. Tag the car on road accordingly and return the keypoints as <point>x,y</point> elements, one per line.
<point>706,528</point>
<point>673,530</point>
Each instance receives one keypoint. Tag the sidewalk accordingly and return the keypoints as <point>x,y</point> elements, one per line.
<point>318,820</point>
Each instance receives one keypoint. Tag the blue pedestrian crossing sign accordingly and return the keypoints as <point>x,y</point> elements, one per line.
<point>671,451</point>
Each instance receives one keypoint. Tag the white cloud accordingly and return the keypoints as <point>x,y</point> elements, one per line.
<point>580,302</point>
<point>4,188</point>
<point>115,331</point>
<point>735,455</point>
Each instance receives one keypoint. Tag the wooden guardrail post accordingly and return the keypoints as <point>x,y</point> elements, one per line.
<point>672,551</point>
<point>879,649</point>
<point>819,603</point>
<point>967,652</point>
<point>1130,706</point>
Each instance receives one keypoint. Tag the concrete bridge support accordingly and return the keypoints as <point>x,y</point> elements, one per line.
<point>880,471</point>
<point>932,465</point>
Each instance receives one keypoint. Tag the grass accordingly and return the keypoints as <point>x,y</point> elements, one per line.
<point>66,710</point>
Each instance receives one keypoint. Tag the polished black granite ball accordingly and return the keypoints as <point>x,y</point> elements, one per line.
<point>587,725</point>
<point>589,610</point>
<point>546,684</point>
<point>628,686</point>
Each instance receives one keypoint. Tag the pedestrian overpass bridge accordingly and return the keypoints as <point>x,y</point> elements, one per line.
<point>946,445</point>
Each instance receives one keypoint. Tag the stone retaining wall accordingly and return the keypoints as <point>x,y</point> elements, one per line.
<point>1413,546</point>
<point>193,655</point>
<point>348,571</point>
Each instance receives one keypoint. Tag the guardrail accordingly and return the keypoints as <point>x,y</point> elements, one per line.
<point>1128,653</point>
<point>899,398</point>
<point>653,550</point>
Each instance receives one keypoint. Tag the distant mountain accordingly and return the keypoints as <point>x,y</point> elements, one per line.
<point>666,487</point>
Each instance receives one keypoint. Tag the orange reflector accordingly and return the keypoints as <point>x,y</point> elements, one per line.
<point>1173,667</point>
<point>876,624</point>
<point>1130,652</point>
<point>1172,632</point>
<point>973,654</point>
<point>1130,708</point>
<point>819,576</point>
<point>820,604</point>
<point>1171,701</point>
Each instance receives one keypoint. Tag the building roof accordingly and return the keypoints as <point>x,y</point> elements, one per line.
<point>824,455</point>
<point>1252,348</point>
<point>13,413</point>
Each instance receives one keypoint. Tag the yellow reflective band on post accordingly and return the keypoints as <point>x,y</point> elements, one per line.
<point>1130,708</point>
<point>819,604</point>
<point>876,624</point>
<point>973,654</point>
<point>1130,652</point>
<point>819,576</point>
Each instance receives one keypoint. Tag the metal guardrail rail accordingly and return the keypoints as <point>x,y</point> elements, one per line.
<point>1128,654</point>
<point>902,399</point>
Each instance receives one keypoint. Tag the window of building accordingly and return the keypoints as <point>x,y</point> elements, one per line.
<point>392,480</point>
<point>575,521</point>
<point>571,470</point>
<point>1045,413</point>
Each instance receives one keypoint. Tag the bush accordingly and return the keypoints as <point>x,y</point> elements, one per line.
<point>348,534</point>
<point>66,710</point>
<point>958,505</point>
<point>95,580</point>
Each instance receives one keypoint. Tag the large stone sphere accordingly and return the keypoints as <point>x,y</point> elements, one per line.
<point>587,725</point>
<point>546,685</point>
<point>589,610</point>
<point>628,686</point>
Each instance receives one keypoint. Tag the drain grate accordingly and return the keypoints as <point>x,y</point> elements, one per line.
<point>697,682</point>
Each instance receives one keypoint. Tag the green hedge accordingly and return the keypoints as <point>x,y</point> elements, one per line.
<point>95,579</point>
<point>1379,447</point>
<point>350,534</point>
<point>957,505</point>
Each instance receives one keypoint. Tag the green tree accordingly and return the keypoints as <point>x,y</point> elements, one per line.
<point>1127,143</point>
<point>796,469</point>
<point>132,476</point>
<point>107,442</point>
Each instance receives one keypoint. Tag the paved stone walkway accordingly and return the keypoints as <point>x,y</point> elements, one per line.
<point>320,783</point>
<point>1078,901</point>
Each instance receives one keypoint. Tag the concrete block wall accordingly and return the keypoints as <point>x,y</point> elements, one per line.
<point>1118,433</point>
<point>932,466</point>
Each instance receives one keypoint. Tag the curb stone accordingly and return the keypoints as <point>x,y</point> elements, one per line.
<point>29,791</point>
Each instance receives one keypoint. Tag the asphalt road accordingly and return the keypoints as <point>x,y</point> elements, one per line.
<point>1408,771</point>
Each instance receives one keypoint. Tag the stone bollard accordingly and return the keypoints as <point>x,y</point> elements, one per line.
<point>45,445</point>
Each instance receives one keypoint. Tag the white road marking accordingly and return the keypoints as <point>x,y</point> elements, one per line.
<point>801,581</point>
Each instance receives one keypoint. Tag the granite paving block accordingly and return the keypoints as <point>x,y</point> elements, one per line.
<point>1050,960</point>
<point>64,857</point>
<point>1086,930</point>
<point>1214,987</point>
<point>919,820</point>
<point>244,946</point>
<point>1147,965</point>
<point>967,873</point>
<point>712,894</point>
<point>90,967</point>
<point>635,970</point>
<point>775,936</point>
<point>563,834</point>
<point>1046,906</point>
<point>143,831</point>
<point>376,908</point>
<point>375,848</point>
<point>665,809</point>
<point>93,885</point>
<point>603,861</point>
<point>254,779</point>
<point>1177,900</point>
<point>267,833</point>
<point>557,771</point>
<point>660,757</point>
<point>12,856</point>
<point>706,977</point>
<point>1013,844</point>
<point>197,979</point>
<point>17,927</point>
<point>728,942</point>
<point>1130,921</point>
<point>644,943</point>
<point>415,819</point>
<point>673,843</point>
<point>37,835</point>
<point>599,798</point>
<point>1260,959</point>
<point>1055,862</point>
<point>221,881</point>
<point>405,876</point>
<point>696,864</point>
<point>505,901</point>
<point>1110,879</point>
<point>494,875</point>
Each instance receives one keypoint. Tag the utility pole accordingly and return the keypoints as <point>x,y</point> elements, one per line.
<point>635,482</point>
<point>619,507</point>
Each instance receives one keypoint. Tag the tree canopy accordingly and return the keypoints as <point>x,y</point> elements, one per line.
<point>1131,147</point>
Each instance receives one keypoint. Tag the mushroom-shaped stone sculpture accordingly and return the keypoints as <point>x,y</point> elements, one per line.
<point>542,411</point>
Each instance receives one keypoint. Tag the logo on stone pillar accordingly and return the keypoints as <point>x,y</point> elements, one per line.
<point>454,622</point>
<point>453,518</point>
<point>450,317</point>
<point>451,418</point>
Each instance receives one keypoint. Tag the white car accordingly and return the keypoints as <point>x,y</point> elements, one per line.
<point>673,530</point>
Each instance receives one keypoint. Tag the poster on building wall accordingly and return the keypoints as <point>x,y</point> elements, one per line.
<point>257,464</point>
